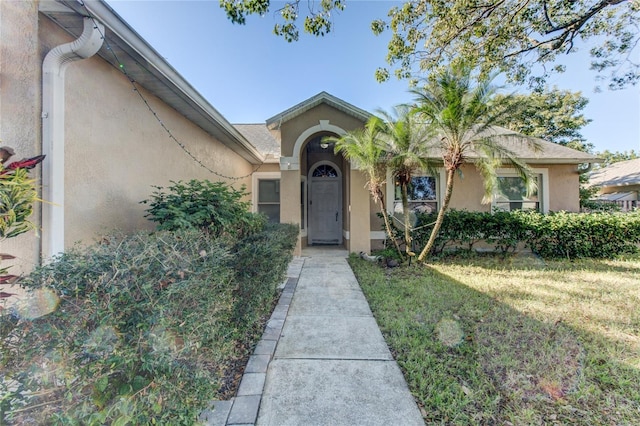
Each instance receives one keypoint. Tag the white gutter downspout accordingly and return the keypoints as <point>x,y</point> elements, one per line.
<point>53,70</point>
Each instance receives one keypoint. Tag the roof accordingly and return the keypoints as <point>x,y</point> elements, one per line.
<point>622,173</point>
<point>536,150</point>
<point>125,48</point>
<point>618,196</point>
<point>527,148</point>
<point>320,98</point>
<point>260,136</point>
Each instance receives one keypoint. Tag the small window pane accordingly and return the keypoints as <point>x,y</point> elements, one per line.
<point>269,191</point>
<point>512,195</point>
<point>421,188</point>
<point>272,211</point>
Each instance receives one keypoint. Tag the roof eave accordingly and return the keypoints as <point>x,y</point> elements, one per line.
<point>560,160</point>
<point>320,98</point>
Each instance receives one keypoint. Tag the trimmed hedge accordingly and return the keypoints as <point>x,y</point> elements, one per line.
<point>554,235</point>
<point>144,329</point>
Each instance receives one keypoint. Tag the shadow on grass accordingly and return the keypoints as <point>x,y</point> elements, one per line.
<point>506,364</point>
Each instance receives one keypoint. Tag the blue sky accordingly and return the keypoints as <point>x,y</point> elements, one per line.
<point>249,74</point>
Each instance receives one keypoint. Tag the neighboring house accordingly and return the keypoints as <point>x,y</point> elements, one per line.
<point>618,183</point>
<point>114,119</point>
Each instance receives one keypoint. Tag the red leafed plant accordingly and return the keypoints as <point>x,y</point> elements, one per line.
<point>17,195</point>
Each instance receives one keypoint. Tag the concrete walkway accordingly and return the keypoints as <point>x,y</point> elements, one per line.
<point>322,359</point>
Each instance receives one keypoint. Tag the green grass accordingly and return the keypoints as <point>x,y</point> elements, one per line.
<point>493,340</point>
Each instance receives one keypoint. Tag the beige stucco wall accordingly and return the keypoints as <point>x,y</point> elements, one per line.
<point>468,190</point>
<point>564,187</point>
<point>295,127</point>
<point>290,200</point>
<point>115,150</point>
<point>20,70</point>
<point>359,214</point>
<point>269,167</point>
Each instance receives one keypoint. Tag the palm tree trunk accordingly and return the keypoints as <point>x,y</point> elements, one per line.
<point>387,225</point>
<point>407,225</point>
<point>436,227</point>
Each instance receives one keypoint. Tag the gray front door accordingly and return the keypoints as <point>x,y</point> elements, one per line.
<point>325,211</point>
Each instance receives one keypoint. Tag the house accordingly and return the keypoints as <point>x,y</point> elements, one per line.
<point>114,119</point>
<point>618,183</point>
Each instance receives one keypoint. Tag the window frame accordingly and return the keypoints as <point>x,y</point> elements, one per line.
<point>255,183</point>
<point>543,187</point>
<point>441,181</point>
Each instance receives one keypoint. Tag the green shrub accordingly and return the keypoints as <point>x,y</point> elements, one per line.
<point>566,235</point>
<point>575,235</point>
<point>143,330</point>
<point>258,271</point>
<point>201,204</point>
<point>18,193</point>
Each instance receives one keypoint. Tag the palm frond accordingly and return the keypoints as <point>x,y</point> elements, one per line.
<point>493,156</point>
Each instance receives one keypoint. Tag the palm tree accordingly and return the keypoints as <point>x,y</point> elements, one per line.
<point>461,111</point>
<point>363,148</point>
<point>405,144</point>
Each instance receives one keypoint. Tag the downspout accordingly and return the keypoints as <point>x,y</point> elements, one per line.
<point>53,71</point>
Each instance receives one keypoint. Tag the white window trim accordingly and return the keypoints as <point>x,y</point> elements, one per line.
<point>254,185</point>
<point>441,186</point>
<point>544,200</point>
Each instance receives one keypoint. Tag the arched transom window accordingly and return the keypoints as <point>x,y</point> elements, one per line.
<point>325,171</point>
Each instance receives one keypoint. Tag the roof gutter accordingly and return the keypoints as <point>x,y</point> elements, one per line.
<point>53,117</point>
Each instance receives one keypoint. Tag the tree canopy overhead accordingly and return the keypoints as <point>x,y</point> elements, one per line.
<point>510,35</point>
<point>553,115</point>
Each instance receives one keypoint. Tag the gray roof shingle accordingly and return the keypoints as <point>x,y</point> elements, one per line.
<point>622,173</point>
<point>260,137</point>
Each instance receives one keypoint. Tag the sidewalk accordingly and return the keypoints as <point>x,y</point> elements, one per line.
<point>322,359</point>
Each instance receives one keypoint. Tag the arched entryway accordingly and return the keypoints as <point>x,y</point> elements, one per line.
<point>325,204</point>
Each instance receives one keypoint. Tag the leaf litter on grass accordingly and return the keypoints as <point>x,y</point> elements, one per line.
<point>530,360</point>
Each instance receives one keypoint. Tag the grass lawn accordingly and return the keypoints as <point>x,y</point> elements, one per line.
<point>492,340</point>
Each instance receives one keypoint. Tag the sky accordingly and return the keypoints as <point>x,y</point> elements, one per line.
<point>249,75</point>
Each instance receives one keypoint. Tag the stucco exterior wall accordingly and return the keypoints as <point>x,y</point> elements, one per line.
<point>468,191</point>
<point>20,70</point>
<point>290,130</point>
<point>116,151</point>
<point>564,188</point>
<point>359,214</point>
<point>290,200</point>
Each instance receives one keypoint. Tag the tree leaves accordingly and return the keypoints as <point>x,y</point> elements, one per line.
<point>512,36</point>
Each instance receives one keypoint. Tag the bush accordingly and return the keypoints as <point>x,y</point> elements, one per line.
<point>18,194</point>
<point>566,235</point>
<point>258,271</point>
<point>462,229</point>
<point>201,204</point>
<point>574,235</point>
<point>143,330</point>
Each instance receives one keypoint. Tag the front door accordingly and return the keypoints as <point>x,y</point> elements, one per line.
<point>325,206</point>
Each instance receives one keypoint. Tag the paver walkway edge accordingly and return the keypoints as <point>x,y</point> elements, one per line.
<point>322,359</point>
